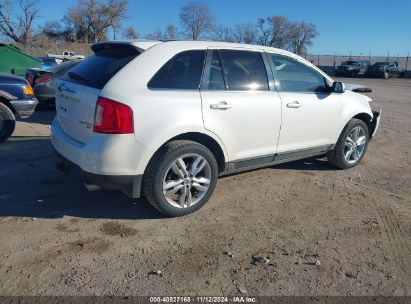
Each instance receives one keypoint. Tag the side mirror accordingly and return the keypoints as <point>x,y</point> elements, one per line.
<point>338,87</point>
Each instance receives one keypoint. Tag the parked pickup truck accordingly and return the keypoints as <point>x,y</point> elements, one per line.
<point>385,70</point>
<point>352,68</point>
<point>69,55</point>
<point>16,97</point>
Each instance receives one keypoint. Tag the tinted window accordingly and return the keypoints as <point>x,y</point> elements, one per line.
<point>182,72</point>
<point>98,69</point>
<point>296,77</point>
<point>244,71</point>
<point>215,78</point>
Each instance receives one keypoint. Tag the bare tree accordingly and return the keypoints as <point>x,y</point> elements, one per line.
<point>302,35</point>
<point>222,32</point>
<point>275,31</point>
<point>156,35</point>
<point>280,31</point>
<point>91,19</point>
<point>131,33</point>
<point>17,27</point>
<point>171,32</point>
<point>245,33</point>
<point>263,32</point>
<point>196,19</point>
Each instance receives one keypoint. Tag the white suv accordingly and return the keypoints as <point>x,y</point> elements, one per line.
<point>165,119</point>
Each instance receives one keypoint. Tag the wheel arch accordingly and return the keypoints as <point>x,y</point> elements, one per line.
<point>208,142</point>
<point>366,118</point>
<point>6,101</point>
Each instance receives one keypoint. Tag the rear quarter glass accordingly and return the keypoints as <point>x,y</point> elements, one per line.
<point>99,68</point>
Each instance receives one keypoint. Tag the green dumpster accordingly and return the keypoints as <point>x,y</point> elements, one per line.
<point>14,61</point>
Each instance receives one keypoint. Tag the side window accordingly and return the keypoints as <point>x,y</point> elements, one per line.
<point>215,78</point>
<point>182,72</point>
<point>295,76</point>
<point>244,70</point>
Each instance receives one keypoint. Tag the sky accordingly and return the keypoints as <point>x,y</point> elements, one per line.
<point>344,26</point>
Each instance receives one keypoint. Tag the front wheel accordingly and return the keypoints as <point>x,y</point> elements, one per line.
<point>7,122</point>
<point>351,145</point>
<point>180,178</point>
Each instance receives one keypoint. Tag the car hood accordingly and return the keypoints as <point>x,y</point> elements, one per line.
<point>356,88</point>
<point>11,79</point>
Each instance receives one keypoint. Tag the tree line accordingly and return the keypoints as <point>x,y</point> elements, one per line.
<point>90,21</point>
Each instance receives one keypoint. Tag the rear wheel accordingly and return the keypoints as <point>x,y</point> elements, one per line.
<point>180,178</point>
<point>351,145</point>
<point>7,122</point>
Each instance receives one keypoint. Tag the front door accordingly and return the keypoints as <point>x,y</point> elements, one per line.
<point>310,114</point>
<point>238,106</point>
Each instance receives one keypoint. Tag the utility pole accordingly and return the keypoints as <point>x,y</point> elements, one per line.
<point>334,62</point>
<point>406,62</point>
<point>369,57</point>
<point>388,56</point>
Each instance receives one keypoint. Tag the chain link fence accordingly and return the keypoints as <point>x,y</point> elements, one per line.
<point>328,63</point>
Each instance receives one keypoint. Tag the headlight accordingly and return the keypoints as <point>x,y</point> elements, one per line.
<point>28,90</point>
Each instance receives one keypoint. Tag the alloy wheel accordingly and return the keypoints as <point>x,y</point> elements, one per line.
<point>187,180</point>
<point>355,145</point>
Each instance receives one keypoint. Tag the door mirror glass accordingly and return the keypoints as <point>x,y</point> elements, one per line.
<point>338,87</point>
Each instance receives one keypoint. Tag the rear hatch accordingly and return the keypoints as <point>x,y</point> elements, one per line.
<point>77,92</point>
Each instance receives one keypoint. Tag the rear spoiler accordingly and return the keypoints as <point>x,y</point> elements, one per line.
<point>139,45</point>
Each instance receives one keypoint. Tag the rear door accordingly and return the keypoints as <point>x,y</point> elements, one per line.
<point>78,91</point>
<point>238,105</point>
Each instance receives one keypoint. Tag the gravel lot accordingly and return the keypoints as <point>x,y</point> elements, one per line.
<point>312,230</point>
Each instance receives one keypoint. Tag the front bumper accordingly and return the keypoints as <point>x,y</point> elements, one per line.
<point>24,107</point>
<point>128,184</point>
<point>375,122</point>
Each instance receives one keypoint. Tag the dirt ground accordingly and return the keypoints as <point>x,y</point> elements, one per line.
<point>312,230</point>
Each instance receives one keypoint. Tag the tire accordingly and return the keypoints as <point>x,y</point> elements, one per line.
<point>386,75</point>
<point>7,122</point>
<point>191,189</point>
<point>338,156</point>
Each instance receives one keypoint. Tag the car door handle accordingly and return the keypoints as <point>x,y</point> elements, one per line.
<point>221,106</point>
<point>294,104</point>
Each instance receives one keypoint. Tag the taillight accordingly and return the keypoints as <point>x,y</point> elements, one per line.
<point>113,117</point>
<point>42,80</point>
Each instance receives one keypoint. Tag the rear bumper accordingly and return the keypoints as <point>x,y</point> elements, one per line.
<point>44,94</point>
<point>24,107</point>
<point>128,184</point>
<point>109,161</point>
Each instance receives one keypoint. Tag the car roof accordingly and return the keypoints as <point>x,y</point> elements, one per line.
<point>182,45</point>
<point>145,44</point>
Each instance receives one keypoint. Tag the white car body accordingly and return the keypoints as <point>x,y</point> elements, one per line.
<point>257,126</point>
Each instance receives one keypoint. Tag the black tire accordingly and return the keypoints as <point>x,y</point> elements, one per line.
<point>159,166</point>
<point>7,122</point>
<point>336,156</point>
